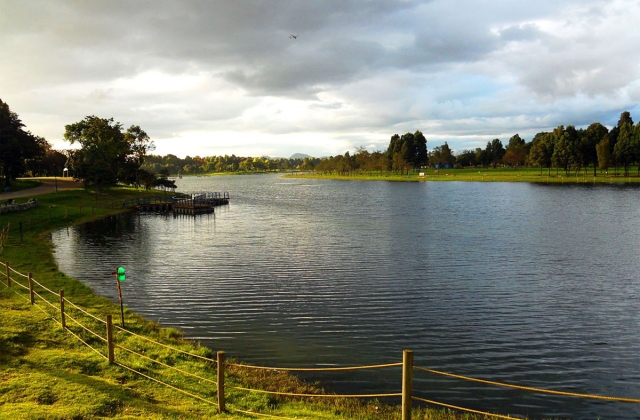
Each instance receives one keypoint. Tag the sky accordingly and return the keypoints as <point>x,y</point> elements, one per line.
<point>215,77</point>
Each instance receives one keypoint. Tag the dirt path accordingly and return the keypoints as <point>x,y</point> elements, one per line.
<point>48,186</point>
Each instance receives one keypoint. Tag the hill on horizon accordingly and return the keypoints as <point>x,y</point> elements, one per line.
<point>293,156</point>
<point>299,156</point>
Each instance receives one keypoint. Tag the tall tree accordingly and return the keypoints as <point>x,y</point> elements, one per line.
<point>516,152</point>
<point>495,151</point>
<point>412,148</point>
<point>589,140</point>
<point>625,118</point>
<point>604,154</point>
<point>107,154</point>
<point>625,151</point>
<point>466,158</point>
<point>16,144</point>
<point>442,155</point>
<point>542,151</point>
<point>561,149</point>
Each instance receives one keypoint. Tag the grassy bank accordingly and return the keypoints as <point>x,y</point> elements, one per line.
<point>20,184</point>
<point>486,175</point>
<point>46,373</point>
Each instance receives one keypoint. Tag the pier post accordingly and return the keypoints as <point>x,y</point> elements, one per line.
<point>62,318</point>
<point>221,407</point>
<point>407,383</point>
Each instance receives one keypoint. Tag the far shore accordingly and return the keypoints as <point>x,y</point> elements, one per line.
<point>484,175</point>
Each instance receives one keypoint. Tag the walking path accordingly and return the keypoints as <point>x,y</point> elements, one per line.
<point>48,186</point>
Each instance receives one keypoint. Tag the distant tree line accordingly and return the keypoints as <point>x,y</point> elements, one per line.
<point>198,165</point>
<point>565,149</point>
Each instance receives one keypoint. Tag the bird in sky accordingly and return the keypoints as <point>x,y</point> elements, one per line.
<point>292,36</point>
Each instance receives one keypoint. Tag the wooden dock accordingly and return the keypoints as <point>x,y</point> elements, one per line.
<point>200,203</point>
<point>193,204</point>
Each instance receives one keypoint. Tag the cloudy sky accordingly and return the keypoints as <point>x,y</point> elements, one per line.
<point>215,77</point>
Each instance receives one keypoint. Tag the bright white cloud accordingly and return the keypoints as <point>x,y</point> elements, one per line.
<point>220,77</point>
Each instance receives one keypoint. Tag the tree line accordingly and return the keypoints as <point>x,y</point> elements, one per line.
<point>198,165</point>
<point>108,154</point>
<point>565,149</point>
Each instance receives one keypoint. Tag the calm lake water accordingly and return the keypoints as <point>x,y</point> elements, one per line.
<point>535,285</point>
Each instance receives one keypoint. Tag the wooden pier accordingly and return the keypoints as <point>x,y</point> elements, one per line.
<point>200,203</point>
<point>193,204</point>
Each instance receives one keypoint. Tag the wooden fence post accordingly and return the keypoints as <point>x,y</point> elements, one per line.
<point>221,408</point>
<point>407,383</point>
<point>8,274</point>
<point>32,295</point>
<point>62,319</point>
<point>110,353</point>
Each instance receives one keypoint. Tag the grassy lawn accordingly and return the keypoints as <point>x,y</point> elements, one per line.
<point>46,373</point>
<point>488,175</point>
<point>19,185</point>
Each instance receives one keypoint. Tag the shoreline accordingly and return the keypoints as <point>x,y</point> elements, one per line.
<point>475,176</point>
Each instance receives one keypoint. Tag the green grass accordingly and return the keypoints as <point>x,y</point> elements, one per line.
<point>46,373</point>
<point>487,175</point>
<point>19,185</point>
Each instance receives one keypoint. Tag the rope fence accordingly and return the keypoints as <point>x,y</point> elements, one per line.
<point>78,329</point>
<point>16,272</point>
<point>325,369</point>
<point>294,394</point>
<point>530,389</point>
<point>165,346</point>
<point>184,372</point>
<point>84,312</point>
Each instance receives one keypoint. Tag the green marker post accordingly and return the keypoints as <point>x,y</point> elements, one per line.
<point>120,276</point>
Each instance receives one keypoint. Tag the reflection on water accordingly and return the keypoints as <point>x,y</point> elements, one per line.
<point>534,285</point>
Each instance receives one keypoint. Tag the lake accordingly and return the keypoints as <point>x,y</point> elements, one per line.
<point>530,284</point>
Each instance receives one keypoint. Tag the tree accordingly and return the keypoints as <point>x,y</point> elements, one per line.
<point>363,159</point>
<point>589,141</point>
<point>541,151</point>
<point>625,118</point>
<point>412,148</point>
<point>561,149</point>
<point>625,151</point>
<point>51,163</point>
<point>604,153</point>
<point>398,163</point>
<point>494,152</point>
<point>419,155</point>
<point>466,158</point>
<point>442,155</point>
<point>16,144</point>
<point>394,146</point>
<point>139,145</point>
<point>482,157</point>
<point>516,152</point>
<point>107,154</point>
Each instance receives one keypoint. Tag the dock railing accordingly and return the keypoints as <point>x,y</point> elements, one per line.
<point>103,337</point>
